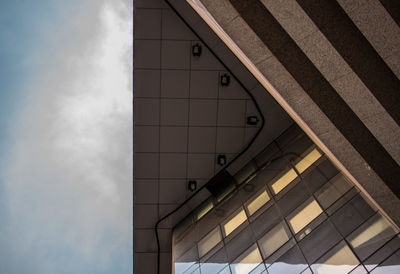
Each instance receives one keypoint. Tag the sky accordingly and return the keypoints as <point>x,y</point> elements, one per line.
<point>66,136</point>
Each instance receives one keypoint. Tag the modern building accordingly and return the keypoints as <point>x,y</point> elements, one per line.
<point>266,136</point>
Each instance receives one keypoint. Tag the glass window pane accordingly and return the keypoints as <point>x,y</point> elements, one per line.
<point>371,235</point>
<point>304,214</point>
<point>274,239</point>
<point>290,262</point>
<point>332,190</point>
<point>340,259</point>
<point>236,221</point>
<point>308,160</point>
<point>247,261</point>
<point>283,181</point>
<point>258,202</point>
<point>203,211</point>
<point>209,241</point>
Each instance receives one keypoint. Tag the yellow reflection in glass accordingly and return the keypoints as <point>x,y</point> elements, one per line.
<point>258,202</point>
<point>284,181</point>
<point>301,166</point>
<point>370,232</point>
<point>204,210</point>
<point>247,261</point>
<point>209,241</point>
<point>308,213</point>
<point>236,221</point>
<point>308,160</point>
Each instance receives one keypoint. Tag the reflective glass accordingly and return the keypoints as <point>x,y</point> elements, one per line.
<point>371,235</point>
<point>234,222</point>
<point>332,190</point>
<point>304,214</point>
<point>258,202</point>
<point>308,160</point>
<point>209,241</point>
<point>340,259</point>
<point>283,181</point>
<point>246,262</point>
<point>274,239</point>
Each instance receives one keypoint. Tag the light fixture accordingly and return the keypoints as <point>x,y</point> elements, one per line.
<point>192,185</point>
<point>221,160</point>
<point>196,50</point>
<point>252,120</point>
<point>225,80</point>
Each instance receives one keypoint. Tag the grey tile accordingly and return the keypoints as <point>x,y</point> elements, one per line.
<point>146,165</point>
<point>231,113</point>
<point>251,110</point>
<point>146,216</point>
<point>233,91</point>
<point>146,139</point>
<point>206,61</point>
<point>145,191</point>
<point>150,4</point>
<point>202,139</point>
<point>175,83</point>
<point>165,239</point>
<point>175,54</point>
<point>173,165</point>
<point>147,54</point>
<point>172,191</point>
<point>204,84</point>
<point>203,112</point>
<point>147,24</point>
<point>230,140</point>
<point>166,261</point>
<point>147,83</point>
<point>206,33</point>
<point>174,28</point>
<point>200,166</point>
<point>146,111</point>
<point>174,112</point>
<point>186,11</point>
<point>145,240</point>
<point>173,139</point>
<point>145,262</point>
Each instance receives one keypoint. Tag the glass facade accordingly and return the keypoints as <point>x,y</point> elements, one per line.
<point>292,212</point>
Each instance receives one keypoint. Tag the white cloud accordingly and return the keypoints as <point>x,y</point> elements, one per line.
<point>69,178</point>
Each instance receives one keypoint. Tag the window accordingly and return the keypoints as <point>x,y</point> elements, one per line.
<point>332,190</point>
<point>258,202</point>
<point>371,235</point>
<point>301,166</point>
<point>283,181</point>
<point>308,160</point>
<point>304,214</point>
<point>247,261</point>
<point>209,241</point>
<point>204,210</point>
<point>234,222</point>
<point>338,260</point>
<point>274,239</point>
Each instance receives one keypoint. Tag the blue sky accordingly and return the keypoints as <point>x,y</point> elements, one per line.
<point>65,136</point>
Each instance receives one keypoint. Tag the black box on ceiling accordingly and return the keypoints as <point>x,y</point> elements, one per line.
<point>220,182</point>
